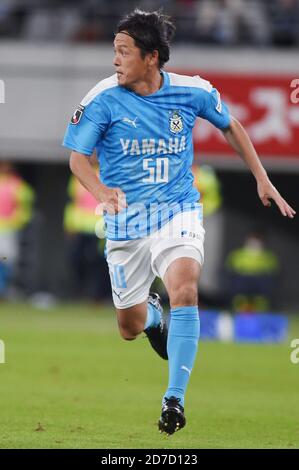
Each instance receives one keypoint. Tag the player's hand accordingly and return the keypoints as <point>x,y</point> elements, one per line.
<point>113,200</point>
<point>267,191</point>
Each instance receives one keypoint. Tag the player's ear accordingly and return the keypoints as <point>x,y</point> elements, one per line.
<point>154,58</point>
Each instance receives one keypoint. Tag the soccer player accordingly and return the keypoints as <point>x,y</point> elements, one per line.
<point>140,123</point>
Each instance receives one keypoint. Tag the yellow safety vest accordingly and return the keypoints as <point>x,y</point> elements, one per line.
<point>250,262</point>
<point>16,199</point>
<point>207,183</point>
<point>79,214</point>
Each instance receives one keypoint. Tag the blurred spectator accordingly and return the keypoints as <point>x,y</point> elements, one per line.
<point>207,183</point>
<point>285,22</point>
<point>54,20</point>
<point>16,199</point>
<point>230,22</point>
<point>184,14</point>
<point>90,276</point>
<point>92,27</point>
<point>252,272</point>
<point>9,25</point>
<point>5,10</point>
<point>216,22</point>
<point>254,27</point>
<point>221,22</point>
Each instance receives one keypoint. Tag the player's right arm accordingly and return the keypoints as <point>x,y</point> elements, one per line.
<point>112,199</point>
<point>86,129</point>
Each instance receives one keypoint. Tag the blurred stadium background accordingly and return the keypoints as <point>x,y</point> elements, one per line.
<point>56,316</point>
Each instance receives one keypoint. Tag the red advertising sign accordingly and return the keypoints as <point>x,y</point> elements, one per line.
<point>265,105</point>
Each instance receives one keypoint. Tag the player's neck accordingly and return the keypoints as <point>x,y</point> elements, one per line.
<point>150,85</point>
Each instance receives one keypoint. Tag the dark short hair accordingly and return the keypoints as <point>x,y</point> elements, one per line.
<point>150,31</point>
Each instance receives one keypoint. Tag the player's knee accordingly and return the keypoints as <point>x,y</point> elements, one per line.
<point>127,336</point>
<point>130,323</point>
<point>184,295</point>
<point>128,332</point>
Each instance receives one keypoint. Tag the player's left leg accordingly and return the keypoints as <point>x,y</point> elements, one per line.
<point>181,281</point>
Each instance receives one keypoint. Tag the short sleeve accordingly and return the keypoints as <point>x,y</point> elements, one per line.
<point>210,107</point>
<point>87,126</point>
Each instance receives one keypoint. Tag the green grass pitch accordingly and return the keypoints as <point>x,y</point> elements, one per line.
<point>70,381</point>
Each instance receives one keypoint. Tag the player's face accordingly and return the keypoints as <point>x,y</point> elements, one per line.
<point>130,66</point>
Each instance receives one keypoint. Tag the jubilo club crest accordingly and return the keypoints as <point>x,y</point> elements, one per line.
<point>175,122</point>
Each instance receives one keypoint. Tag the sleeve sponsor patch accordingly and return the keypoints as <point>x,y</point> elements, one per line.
<point>77,114</point>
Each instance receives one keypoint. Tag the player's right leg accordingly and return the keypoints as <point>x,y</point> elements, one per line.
<point>131,277</point>
<point>131,320</point>
<point>145,317</point>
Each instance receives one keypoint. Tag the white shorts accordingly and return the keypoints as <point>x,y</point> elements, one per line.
<point>134,264</point>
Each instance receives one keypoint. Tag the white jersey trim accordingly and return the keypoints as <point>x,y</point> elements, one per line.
<point>103,85</point>
<point>187,81</point>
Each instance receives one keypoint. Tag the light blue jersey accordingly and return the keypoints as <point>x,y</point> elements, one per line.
<point>144,146</point>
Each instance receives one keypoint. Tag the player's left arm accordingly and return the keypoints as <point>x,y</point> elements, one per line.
<point>239,140</point>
